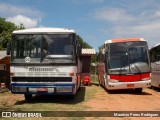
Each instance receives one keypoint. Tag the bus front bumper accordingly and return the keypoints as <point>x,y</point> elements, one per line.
<point>128,85</point>
<point>42,89</point>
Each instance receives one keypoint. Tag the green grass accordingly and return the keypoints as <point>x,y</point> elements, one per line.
<point>52,103</point>
<point>55,103</point>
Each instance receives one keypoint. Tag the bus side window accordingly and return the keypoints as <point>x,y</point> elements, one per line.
<point>21,50</point>
<point>106,57</point>
<point>157,58</point>
<point>153,54</point>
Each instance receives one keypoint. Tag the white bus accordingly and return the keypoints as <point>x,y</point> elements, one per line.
<point>44,61</point>
<point>155,65</point>
<point>124,64</point>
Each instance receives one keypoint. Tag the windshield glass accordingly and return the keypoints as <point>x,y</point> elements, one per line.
<point>128,58</point>
<point>58,48</point>
<point>43,48</point>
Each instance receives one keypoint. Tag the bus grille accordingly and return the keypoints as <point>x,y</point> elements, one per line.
<point>40,69</point>
<point>42,79</point>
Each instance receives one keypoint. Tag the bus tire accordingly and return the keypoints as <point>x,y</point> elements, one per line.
<point>138,90</point>
<point>28,97</point>
<point>152,87</point>
<point>79,87</point>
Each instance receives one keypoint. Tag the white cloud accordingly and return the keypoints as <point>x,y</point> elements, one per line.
<point>8,10</point>
<point>125,22</point>
<point>149,31</point>
<point>27,22</point>
<point>113,14</point>
<point>29,17</point>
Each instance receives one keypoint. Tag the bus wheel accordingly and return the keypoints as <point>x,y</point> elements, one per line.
<point>28,97</point>
<point>79,87</point>
<point>138,90</point>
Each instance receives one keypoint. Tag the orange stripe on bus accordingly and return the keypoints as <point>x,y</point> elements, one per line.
<point>125,39</point>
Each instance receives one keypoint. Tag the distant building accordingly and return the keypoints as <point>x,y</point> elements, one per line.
<point>4,70</point>
<point>86,62</point>
<point>88,51</point>
<point>2,54</point>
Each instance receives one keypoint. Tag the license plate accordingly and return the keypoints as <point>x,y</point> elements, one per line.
<point>42,89</point>
<point>130,85</point>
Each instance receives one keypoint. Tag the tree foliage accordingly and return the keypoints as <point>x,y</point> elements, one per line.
<point>83,43</point>
<point>6,29</point>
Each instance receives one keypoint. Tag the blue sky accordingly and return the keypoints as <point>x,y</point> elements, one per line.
<point>94,20</point>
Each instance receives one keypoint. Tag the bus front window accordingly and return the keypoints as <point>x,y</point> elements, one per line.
<point>118,58</point>
<point>128,58</point>
<point>26,46</point>
<point>138,57</point>
<point>58,48</point>
<point>58,44</point>
<point>43,48</point>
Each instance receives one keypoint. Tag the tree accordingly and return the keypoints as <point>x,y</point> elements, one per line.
<point>6,29</point>
<point>21,26</point>
<point>84,44</point>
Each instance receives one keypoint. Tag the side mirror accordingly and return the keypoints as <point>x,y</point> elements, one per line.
<point>80,50</point>
<point>106,55</point>
<point>8,48</point>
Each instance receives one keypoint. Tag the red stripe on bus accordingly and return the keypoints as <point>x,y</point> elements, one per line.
<point>130,78</point>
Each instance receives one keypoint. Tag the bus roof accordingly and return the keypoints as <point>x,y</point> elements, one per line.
<point>124,40</point>
<point>154,46</point>
<point>44,30</point>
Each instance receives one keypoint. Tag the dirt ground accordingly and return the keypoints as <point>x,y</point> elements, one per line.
<point>126,100</point>
<point>95,99</point>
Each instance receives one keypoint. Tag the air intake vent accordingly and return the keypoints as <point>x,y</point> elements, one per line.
<point>42,79</point>
<point>35,69</point>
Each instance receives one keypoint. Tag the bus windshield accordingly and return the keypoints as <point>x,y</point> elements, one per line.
<point>43,48</point>
<point>128,58</point>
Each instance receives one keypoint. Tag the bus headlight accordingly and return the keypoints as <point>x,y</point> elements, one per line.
<point>64,89</point>
<point>148,78</point>
<point>19,89</point>
<point>113,80</point>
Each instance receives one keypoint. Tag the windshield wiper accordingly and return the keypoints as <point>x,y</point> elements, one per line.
<point>137,69</point>
<point>52,59</point>
<point>119,70</point>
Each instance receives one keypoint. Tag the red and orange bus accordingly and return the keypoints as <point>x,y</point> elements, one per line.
<point>124,64</point>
